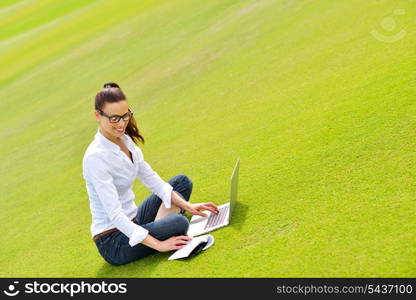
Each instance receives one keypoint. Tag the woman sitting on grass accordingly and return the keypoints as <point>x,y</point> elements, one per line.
<point>122,231</point>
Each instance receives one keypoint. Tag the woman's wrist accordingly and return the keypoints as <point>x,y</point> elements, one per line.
<point>151,242</point>
<point>187,206</point>
<point>179,201</point>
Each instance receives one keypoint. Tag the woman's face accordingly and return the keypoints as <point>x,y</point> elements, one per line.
<point>110,130</point>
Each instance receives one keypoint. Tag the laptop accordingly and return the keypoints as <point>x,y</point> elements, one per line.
<point>200,225</point>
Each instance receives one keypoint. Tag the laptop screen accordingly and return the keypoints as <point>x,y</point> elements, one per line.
<point>234,187</point>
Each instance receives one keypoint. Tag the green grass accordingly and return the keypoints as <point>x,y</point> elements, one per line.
<point>321,113</point>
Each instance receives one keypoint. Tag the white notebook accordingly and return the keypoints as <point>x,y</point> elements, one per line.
<point>185,251</point>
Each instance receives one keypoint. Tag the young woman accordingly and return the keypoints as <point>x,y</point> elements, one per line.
<point>122,231</point>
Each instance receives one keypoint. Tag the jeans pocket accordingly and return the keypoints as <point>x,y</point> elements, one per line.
<point>104,244</point>
<point>101,248</point>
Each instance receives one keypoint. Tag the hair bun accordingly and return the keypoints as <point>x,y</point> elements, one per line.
<point>111,85</point>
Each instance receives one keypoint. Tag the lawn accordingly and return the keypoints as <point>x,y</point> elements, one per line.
<point>317,98</point>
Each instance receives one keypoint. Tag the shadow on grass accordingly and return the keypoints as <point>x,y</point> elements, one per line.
<point>239,215</point>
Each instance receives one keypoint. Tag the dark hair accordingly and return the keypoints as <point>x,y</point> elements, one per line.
<point>113,93</point>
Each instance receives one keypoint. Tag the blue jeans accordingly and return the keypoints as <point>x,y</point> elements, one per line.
<point>115,247</point>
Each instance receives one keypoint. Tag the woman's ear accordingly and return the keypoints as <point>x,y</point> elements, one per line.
<point>96,115</point>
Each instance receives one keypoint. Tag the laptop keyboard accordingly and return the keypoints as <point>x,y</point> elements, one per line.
<point>216,219</point>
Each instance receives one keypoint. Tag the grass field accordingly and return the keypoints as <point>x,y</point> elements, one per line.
<point>320,111</point>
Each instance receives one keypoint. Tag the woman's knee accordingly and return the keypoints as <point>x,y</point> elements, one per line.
<point>184,180</point>
<point>180,224</point>
<point>182,184</point>
<point>187,181</point>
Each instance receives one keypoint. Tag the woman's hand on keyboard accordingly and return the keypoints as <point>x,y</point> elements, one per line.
<point>194,209</point>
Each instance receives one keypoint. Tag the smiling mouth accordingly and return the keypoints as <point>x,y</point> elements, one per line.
<point>119,130</point>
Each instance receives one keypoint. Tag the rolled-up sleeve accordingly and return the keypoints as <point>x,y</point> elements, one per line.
<point>98,173</point>
<point>153,181</point>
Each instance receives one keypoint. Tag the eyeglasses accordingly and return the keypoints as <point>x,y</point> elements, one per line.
<point>116,118</point>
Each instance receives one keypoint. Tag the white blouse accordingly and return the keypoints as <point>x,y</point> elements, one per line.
<point>109,176</point>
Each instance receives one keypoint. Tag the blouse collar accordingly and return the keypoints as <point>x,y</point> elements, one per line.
<point>106,143</point>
